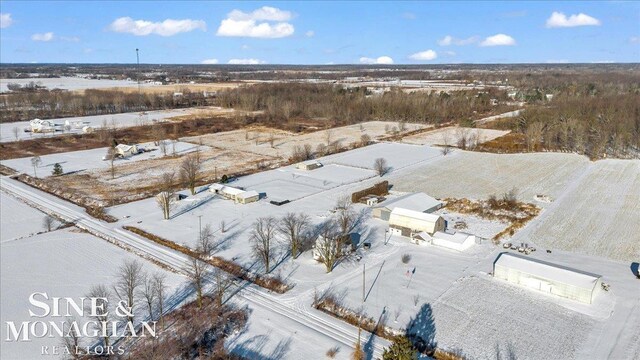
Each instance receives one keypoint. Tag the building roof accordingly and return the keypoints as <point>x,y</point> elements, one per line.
<point>247,194</point>
<point>414,201</point>
<point>231,190</point>
<point>311,162</point>
<point>216,186</point>
<point>458,237</point>
<point>415,215</point>
<point>124,147</point>
<point>548,270</point>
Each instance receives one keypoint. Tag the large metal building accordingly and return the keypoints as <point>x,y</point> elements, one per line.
<point>547,278</point>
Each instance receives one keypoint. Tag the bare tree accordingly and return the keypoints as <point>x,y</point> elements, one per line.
<point>15,131</point>
<point>111,157</point>
<point>533,135</point>
<point>223,227</point>
<point>365,139</point>
<point>223,282</point>
<point>100,294</point>
<point>402,126</point>
<point>197,271</point>
<point>347,220</point>
<point>327,247</point>
<point>328,136</point>
<point>272,139</point>
<point>343,202</point>
<point>206,244</point>
<point>381,167</point>
<point>48,222</point>
<point>35,162</point>
<point>446,143</point>
<point>163,147</point>
<point>190,171</point>
<point>166,197</point>
<point>128,281</point>
<point>158,134</point>
<point>262,236</point>
<point>160,288</point>
<point>294,227</point>
<point>148,292</point>
<point>462,135</point>
<point>72,339</point>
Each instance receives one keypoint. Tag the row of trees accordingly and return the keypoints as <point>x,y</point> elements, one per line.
<point>283,102</point>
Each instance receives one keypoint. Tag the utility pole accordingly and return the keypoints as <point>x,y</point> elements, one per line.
<point>138,69</point>
<point>200,227</point>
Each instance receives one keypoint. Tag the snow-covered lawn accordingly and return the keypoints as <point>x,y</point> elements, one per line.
<point>599,214</point>
<point>451,135</point>
<point>397,156</point>
<point>63,263</point>
<point>75,161</point>
<point>18,219</point>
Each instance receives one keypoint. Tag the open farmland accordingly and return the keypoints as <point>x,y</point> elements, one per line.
<point>450,136</point>
<point>18,219</point>
<point>257,139</point>
<point>63,263</point>
<point>68,83</point>
<point>598,215</point>
<point>472,175</point>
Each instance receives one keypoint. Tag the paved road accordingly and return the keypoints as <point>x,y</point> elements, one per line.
<point>312,319</point>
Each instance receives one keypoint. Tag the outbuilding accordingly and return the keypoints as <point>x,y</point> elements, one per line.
<point>126,150</point>
<point>458,241</point>
<point>420,202</point>
<point>309,165</point>
<point>547,277</point>
<point>405,222</point>
<point>247,197</point>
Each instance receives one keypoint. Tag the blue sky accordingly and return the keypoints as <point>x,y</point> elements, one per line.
<point>319,32</point>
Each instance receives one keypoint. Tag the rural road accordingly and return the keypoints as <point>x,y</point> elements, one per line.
<point>313,320</point>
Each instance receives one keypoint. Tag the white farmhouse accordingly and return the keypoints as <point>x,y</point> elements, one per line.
<point>420,202</point>
<point>547,278</point>
<point>405,222</point>
<point>238,195</point>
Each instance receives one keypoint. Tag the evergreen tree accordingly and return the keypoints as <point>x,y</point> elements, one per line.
<point>400,349</point>
<point>57,169</point>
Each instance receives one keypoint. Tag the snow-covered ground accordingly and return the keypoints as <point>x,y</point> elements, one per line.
<point>18,219</point>
<point>450,136</point>
<point>599,214</point>
<point>62,263</point>
<point>75,161</point>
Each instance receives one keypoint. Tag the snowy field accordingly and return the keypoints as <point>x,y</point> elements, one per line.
<point>75,161</point>
<point>397,155</point>
<point>97,121</point>
<point>18,219</point>
<point>599,214</point>
<point>473,175</point>
<point>63,263</point>
<point>257,140</point>
<point>69,83</point>
<point>450,135</point>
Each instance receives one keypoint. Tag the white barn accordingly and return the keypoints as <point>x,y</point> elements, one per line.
<point>420,202</point>
<point>405,222</point>
<point>547,277</point>
<point>458,241</point>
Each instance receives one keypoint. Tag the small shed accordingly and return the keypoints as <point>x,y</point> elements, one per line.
<point>247,197</point>
<point>547,277</point>
<point>405,222</point>
<point>420,202</point>
<point>309,165</point>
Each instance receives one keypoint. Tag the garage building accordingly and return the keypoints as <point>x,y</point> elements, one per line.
<point>547,277</point>
<point>405,222</point>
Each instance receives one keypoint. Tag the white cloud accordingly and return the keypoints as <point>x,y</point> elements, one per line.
<point>209,61</point>
<point>168,27</point>
<point>241,24</point>
<point>42,37</point>
<point>70,38</point>
<point>246,62</point>
<point>5,20</point>
<point>450,53</point>
<point>558,19</point>
<point>634,39</point>
<point>498,40</point>
<point>450,40</point>
<point>382,60</point>
<point>310,33</point>
<point>424,55</point>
